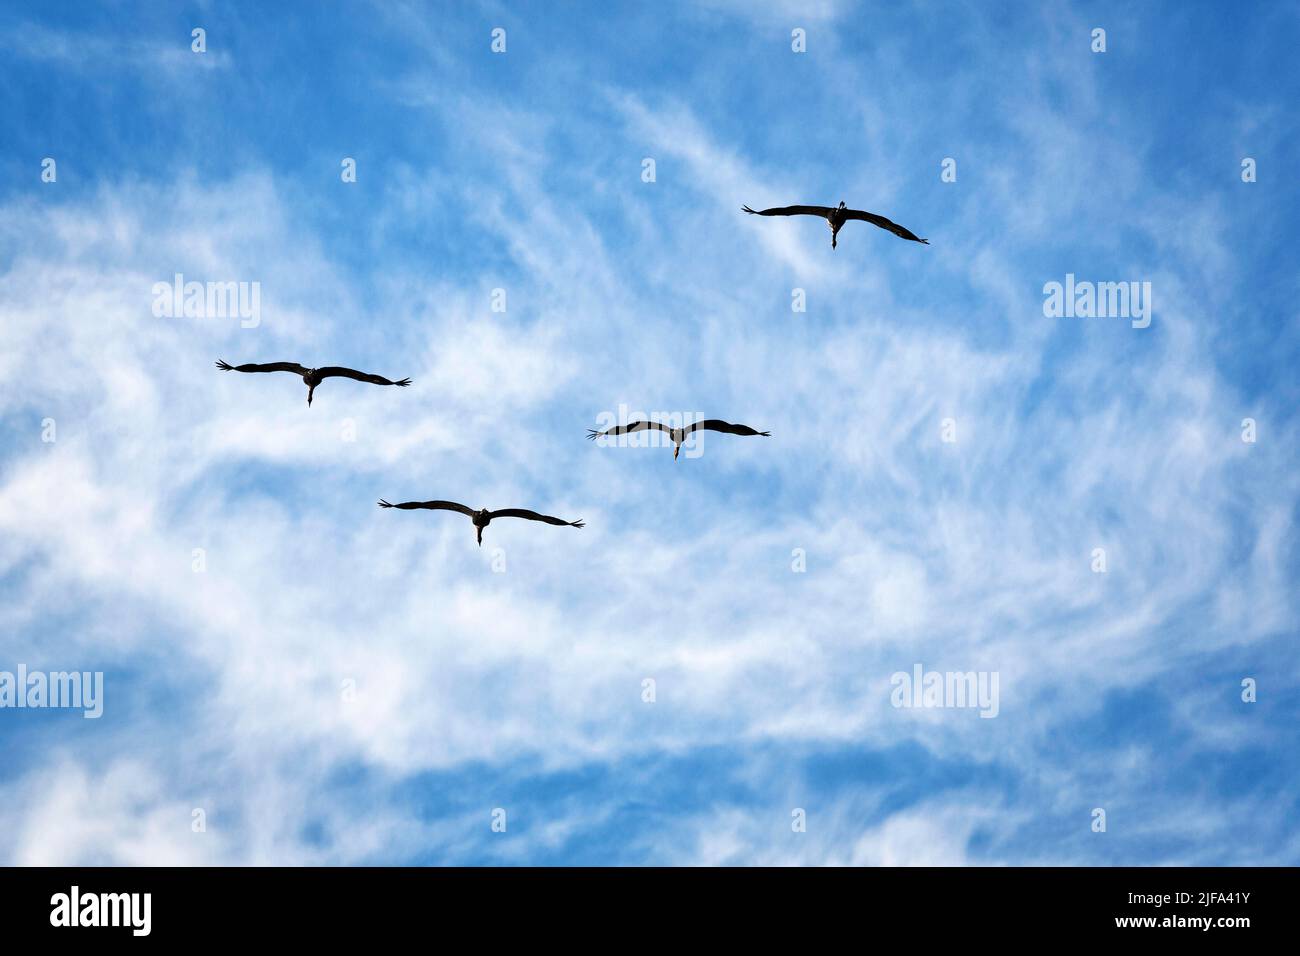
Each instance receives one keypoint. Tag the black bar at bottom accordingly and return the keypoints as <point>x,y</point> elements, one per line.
<point>331,905</point>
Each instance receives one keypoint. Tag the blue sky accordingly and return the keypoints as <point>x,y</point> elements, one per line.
<point>472,689</point>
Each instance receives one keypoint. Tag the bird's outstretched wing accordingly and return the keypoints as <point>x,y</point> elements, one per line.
<point>533,516</point>
<point>823,211</point>
<point>268,367</point>
<point>334,371</point>
<point>431,505</point>
<point>718,425</point>
<point>883,223</point>
<point>624,429</point>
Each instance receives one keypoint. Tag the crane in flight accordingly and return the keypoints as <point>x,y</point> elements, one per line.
<point>481,518</point>
<point>836,218</point>
<point>678,435</point>
<point>311,377</point>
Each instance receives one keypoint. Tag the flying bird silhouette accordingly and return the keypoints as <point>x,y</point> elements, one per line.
<point>837,217</point>
<point>481,518</point>
<point>312,377</point>
<point>678,435</point>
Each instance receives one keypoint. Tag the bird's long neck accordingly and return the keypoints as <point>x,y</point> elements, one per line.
<point>478,530</point>
<point>310,390</point>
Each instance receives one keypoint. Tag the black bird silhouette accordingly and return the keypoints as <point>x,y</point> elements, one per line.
<point>678,435</point>
<point>837,217</point>
<point>312,377</point>
<point>481,518</point>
